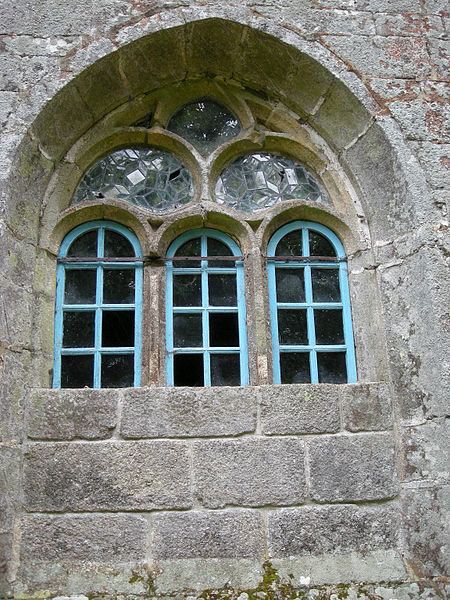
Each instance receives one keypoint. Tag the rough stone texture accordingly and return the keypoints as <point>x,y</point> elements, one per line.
<point>351,468</point>
<point>367,408</point>
<point>162,412</point>
<point>107,476</point>
<point>208,534</point>
<point>65,415</point>
<point>249,472</point>
<point>293,409</point>
<point>426,451</point>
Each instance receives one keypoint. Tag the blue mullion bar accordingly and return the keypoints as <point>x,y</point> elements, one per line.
<point>242,323</point>
<point>98,320</point>
<point>138,299</point>
<point>350,359</point>
<point>274,322</point>
<point>60,285</point>
<point>205,316</point>
<point>310,321</point>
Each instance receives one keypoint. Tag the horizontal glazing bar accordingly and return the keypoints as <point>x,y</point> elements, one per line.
<point>110,350</point>
<point>76,307</point>
<point>201,349</point>
<point>291,348</point>
<point>99,260</point>
<point>329,305</point>
<point>200,309</point>
<point>308,259</point>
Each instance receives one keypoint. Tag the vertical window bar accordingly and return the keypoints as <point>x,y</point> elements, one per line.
<point>205,312</point>
<point>350,358</point>
<point>242,320</point>
<point>274,322</point>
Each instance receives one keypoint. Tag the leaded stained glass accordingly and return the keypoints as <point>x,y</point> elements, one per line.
<point>146,177</point>
<point>205,124</point>
<point>256,181</point>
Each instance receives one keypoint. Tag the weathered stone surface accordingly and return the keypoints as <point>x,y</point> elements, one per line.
<point>172,412</point>
<point>435,160</point>
<point>341,118</point>
<point>52,17</point>
<point>107,476</point>
<point>352,468</point>
<point>425,451</point>
<point>293,409</point>
<point>69,414</point>
<point>98,538</point>
<point>10,468</point>
<point>208,534</point>
<point>425,519</point>
<point>367,407</point>
<point>249,472</point>
<point>5,557</point>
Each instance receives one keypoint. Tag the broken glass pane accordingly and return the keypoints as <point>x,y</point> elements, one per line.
<point>225,369</point>
<point>223,330</point>
<point>205,124</point>
<point>117,328</point>
<point>295,367</point>
<point>188,369</point>
<point>148,177</point>
<point>256,181</point>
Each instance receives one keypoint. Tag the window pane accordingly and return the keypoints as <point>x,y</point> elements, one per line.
<point>117,328</point>
<point>77,371</point>
<point>188,369</point>
<point>325,283</point>
<point>222,290</point>
<point>216,248</point>
<point>295,367</point>
<point>290,285</point>
<point>80,286</point>
<point>223,330</point>
<point>118,286</point>
<point>329,327</point>
<point>331,366</point>
<point>205,124</point>
<point>78,329</point>
<point>117,370</point>
<point>187,290</point>
<point>225,369</point>
<point>190,248</point>
<point>292,326</point>
<point>319,245</point>
<point>85,245</point>
<point>117,245</point>
<point>290,244</point>
<point>187,331</point>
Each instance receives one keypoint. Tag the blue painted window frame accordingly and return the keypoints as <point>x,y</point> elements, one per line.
<point>99,307</point>
<point>312,348</point>
<point>205,310</point>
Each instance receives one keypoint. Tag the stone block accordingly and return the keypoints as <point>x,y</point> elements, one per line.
<point>389,5</point>
<point>5,557</point>
<point>352,468</point>
<point>249,472</point>
<point>426,452</point>
<point>294,409</point>
<point>10,470</point>
<point>208,534</point>
<point>48,18</point>
<point>180,412</point>
<point>107,476</point>
<point>366,407</point>
<point>435,160</point>
<point>96,538</point>
<point>439,53</point>
<point>341,118</point>
<point>317,530</point>
<point>425,521</point>
<point>69,414</point>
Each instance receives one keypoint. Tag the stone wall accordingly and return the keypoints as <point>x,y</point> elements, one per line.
<point>266,488</point>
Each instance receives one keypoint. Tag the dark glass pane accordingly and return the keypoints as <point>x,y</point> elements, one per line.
<point>290,244</point>
<point>329,326</point>
<point>187,290</point>
<point>118,286</point>
<point>292,326</point>
<point>187,331</point>
<point>85,245</point>
<point>78,328</point>
<point>117,328</point>
<point>117,370</point>
<point>222,290</point>
<point>332,368</point>
<point>225,369</point>
<point>80,286</point>
<point>77,371</point>
<point>325,283</point>
<point>205,124</point>
<point>295,367</point>
<point>223,330</point>
<point>188,369</point>
<point>290,285</point>
<point>117,245</point>
<point>216,248</point>
<point>319,245</point>
<point>190,248</point>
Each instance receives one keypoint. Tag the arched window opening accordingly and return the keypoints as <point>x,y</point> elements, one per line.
<point>205,124</point>
<point>98,308</point>
<point>147,177</point>
<point>312,338</point>
<point>206,333</point>
<point>257,181</point>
